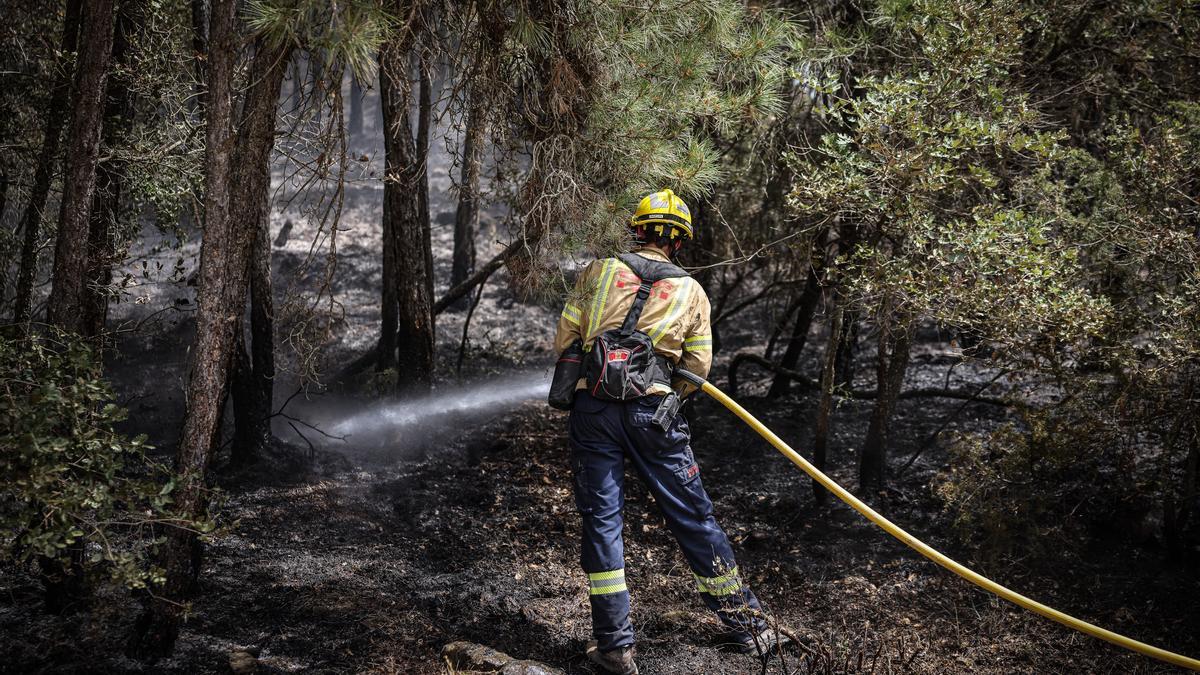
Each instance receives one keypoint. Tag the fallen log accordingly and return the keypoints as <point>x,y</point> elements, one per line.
<point>864,394</point>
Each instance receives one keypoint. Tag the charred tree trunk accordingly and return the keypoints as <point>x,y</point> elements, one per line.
<point>87,116</point>
<point>424,119</point>
<point>389,308</point>
<point>297,76</point>
<point>241,379</point>
<point>110,174</point>
<point>316,77</point>
<point>466,218</point>
<point>847,350</point>
<point>356,110</point>
<point>890,367</point>
<point>825,407</point>
<point>1179,504</point>
<point>779,324</point>
<point>262,327</point>
<point>791,356</point>
<point>1190,487</point>
<point>43,174</point>
<point>158,628</point>
<point>63,583</point>
<point>407,274</point>
<point>238,177</point>
<point>254,372</point>
<point>5,183</point>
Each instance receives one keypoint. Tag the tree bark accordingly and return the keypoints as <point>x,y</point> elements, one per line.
<point>199,50</point>
<point>316,77</point>
<point>407,275</point>
<point>890,367</point>
<point>254,373</point>
<point>847,350</point>
<point>466,218</point>
<point>237,168</point>
<point>5,182</point>
<point>158,628</point>
<point>110,173</point>
<point>791,356</point>
<point>825,407</point>
<point>424,119</point>
<point>356,110</point>
<point>43,175</point>
<point>297,76</point>
<point>87,115</point>
<point>1190,486</point>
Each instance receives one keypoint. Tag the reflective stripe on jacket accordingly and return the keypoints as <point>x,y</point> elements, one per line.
<point>676,315</point>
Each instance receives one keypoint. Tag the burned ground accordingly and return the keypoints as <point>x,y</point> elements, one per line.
<point>343,565</point>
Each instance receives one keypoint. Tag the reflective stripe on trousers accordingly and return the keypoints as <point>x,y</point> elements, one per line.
<point>602,435</point>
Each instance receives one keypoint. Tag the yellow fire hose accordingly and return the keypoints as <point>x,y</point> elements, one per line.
<point>925,550</point>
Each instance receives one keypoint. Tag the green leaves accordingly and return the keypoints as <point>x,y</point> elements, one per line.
<point>987,194</point>
<point>69,477</point>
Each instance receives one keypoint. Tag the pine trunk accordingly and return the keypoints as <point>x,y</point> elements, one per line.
<point>110,174</point>
<point>847,350</point>
<point>254,373</point>
<point>238,176</point>
<point>407,275</point>
<point>87,115</point>
<point>825,407</point>
<point>791,356</point>
<point>424,119</point>
<point>5,183</point>
<point>158,628</point>
<point>43,174</point>
<point>297,77</point>
<point>356,110</point>
<point>316,77</point>
<point>466,218</point>
<point>891,365</point>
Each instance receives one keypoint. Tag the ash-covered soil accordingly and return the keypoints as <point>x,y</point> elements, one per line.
<point>338,566</point>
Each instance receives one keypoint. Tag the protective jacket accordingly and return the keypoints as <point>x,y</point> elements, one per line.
<point>676,315</point>
<point>605,434</point>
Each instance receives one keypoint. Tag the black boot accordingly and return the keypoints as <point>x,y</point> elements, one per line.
<point>763,643</point>
<point>618,661</point>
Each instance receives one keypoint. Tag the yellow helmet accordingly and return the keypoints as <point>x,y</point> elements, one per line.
<point>663,214</point>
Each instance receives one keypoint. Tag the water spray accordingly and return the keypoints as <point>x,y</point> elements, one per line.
<point>386,421</point>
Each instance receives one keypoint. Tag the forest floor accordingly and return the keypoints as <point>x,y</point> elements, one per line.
<point>371,554</point>
<point>349,565</point>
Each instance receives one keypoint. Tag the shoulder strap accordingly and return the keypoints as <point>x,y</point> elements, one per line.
<point>651,270</point>
<point>635,312</point>
<point>648,271</point>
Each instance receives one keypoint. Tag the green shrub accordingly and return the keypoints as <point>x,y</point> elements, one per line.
<point>77,496</point>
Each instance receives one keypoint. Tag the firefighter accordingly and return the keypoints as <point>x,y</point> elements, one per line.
<point>603,433</point>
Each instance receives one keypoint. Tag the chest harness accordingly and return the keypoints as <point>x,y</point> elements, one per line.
<point>621,364</point>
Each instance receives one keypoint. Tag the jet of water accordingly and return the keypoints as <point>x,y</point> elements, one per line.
<point>387,421</point>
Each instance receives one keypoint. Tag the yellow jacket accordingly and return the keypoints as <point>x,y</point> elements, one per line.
<point>676,315</point>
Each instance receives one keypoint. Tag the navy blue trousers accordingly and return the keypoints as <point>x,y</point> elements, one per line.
<point>602,435</point>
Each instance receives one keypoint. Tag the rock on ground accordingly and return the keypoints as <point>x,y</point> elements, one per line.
<point>469,657</point>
